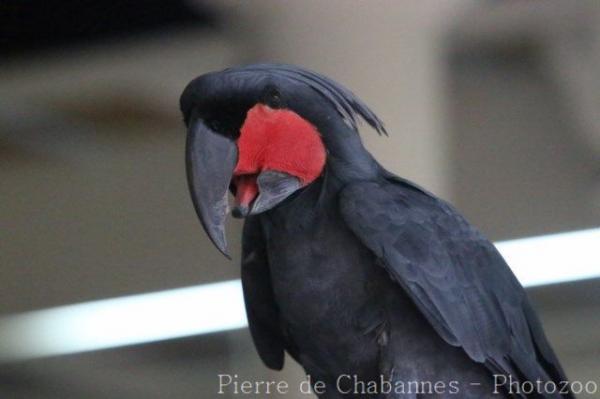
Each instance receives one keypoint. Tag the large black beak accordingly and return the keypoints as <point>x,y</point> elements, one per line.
<point>210,161</point>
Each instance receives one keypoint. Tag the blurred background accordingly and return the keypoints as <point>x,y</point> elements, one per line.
<point>492,105</point>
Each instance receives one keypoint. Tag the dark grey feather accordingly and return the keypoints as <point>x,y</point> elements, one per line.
<point>455,276</point>
<point>347,104</point>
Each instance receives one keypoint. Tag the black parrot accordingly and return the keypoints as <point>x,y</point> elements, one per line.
<point>375,286</point>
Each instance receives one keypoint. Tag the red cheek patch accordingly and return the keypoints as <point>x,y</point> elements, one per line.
<point>281,140</point>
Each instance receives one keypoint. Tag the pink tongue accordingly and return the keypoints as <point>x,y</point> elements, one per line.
<point>246,190</point>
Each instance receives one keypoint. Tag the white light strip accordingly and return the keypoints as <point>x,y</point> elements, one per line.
<point>122,321</point>
<point>218,307</point>
<point>554,258</point>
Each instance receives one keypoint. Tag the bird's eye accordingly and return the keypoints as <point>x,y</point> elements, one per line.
<point>273,98</point>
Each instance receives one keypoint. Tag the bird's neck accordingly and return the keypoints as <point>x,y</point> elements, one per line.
<point>348,160</point>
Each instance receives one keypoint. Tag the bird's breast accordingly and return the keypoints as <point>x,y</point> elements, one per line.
<point>320,272</point>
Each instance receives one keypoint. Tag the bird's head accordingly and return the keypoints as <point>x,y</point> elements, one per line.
<point>262,131</point>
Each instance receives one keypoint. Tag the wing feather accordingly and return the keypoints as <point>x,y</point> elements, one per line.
<point>261,309</point>
<point>454,275</point>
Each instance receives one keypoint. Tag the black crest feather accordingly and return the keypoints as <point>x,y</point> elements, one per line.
<point>347,104</point>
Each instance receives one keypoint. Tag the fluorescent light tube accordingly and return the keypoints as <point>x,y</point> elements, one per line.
<point>219,307</point>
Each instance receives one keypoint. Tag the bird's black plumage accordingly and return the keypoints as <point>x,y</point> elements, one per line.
<point>454,275</point>
<point>365,274</point>
<point>238,85</point>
